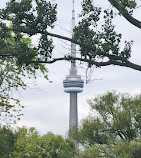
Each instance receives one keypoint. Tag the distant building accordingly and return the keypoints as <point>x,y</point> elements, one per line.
<point>73,84</point>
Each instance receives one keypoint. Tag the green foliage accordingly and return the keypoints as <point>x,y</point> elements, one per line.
<point>101,37</point>
<point>17,51</point>
<point>117,116</point>
<point>100,44</point>
<point>114,129</point>
<point>125,5</point>
<point>13,70</point>
<point>97,41</point>
<point>30,144</point>
<point>30,17</point>
<point>128,148</point>
<point>10,78</point>
<point>97,151</point>
<point>7,140</point>
<point>122,149</point>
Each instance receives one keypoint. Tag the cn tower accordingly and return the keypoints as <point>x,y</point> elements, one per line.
<point>73,83</point>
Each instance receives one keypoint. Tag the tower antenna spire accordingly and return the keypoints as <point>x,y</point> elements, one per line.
<point>73,5</point>
<point>73,16</point>
<point>73,69</point>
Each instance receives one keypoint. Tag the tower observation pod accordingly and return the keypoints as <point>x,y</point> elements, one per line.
<point>73,84</point>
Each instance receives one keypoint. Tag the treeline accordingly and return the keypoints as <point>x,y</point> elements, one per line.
<point>112,130</point>
<point>28,143</point>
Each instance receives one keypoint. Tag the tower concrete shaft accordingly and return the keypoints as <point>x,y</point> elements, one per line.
<point>73,116</point>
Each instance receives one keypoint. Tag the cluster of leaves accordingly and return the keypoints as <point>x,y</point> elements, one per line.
<point>114,129</point>
<point>15,52</point>
<point>100,45</point>
<point>103,39</point>
<point>30,17</point>
<point>122,149</point>
<point>28,143</point>
<point>128,5</point>
<point>7,140</point>
<point>10,78</point>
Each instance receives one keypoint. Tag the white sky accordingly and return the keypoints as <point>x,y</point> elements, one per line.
<point>47,106</point>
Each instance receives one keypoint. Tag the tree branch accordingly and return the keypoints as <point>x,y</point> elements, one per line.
<point>110,56</point>
<point>93,62</point>
<point>5,55</point>
<point>113,59</point>
<point>125,14</point>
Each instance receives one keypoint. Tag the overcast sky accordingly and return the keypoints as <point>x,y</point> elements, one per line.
<point>47,106</point>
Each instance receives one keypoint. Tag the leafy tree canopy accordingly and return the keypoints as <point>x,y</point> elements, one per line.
<point>13,72</point>
<point>7,140</point>
<point>100,44</point>
<point>114,128</point>
<point>28,143</point>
